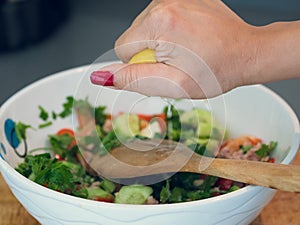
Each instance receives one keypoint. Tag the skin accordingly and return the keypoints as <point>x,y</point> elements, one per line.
<point>203,49</point>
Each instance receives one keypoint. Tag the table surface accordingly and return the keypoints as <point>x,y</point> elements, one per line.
<point>282,210</point>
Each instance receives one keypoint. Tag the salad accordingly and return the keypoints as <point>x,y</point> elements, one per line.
<point>63,168</point>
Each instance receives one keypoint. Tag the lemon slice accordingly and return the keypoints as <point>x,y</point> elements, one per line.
<point>145,56</point>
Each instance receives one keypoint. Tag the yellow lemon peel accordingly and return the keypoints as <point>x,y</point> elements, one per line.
<point>145,56</point>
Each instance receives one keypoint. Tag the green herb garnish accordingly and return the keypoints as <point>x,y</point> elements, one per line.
<point>21,130</point>
<point>265,149</point>
<point>67,107</point>
<point>44,115</point>
<point>57,175</point>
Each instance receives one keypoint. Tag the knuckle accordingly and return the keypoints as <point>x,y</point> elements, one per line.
<point>163,14</point>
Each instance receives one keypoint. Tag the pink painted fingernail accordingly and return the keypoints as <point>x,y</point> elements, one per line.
<point>104,78</point>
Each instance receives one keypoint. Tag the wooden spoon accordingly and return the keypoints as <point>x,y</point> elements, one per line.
<point>150,157</point>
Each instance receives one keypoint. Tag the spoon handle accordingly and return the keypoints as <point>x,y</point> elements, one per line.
<point>272,175</point>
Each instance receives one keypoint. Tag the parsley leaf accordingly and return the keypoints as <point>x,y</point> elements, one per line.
<point>43,125</point>
<point>67,110</point>
<point>67,107</point>
<point>100,115</point>
<point>110,141</point>
<point>174,131</point>
<point>54,115</point>
<point>198,194</point>
<point>58,175</point>
<point>177,195</point>
<point>265,150</point>
<point>44,115</point>
<point>21,130</point>
<point>165,193</point>
<point>245,149</point>
<point>60,145</point>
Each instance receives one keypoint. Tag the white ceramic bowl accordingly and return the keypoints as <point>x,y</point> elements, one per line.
<point>253,110</point>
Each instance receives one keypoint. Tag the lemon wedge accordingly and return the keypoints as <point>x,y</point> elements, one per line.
<point>145,56</point>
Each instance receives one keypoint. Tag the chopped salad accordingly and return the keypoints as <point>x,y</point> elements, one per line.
<point>63,168</point>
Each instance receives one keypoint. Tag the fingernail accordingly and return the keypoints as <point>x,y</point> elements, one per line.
<point>104,78</point>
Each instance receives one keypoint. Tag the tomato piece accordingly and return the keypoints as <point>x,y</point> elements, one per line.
<point>145,117</point>
<point>271,160</point>
<point>98,194</point>
<point>161,118</point>
<point>161,115</point>
<point>109,199</point>
<point>69,132</point>
<point>254,140</point>
<point>224,184</point>
<point>143,124</point>
<point>216,194</point>
<point>149,117</point>
<point>59,158</point>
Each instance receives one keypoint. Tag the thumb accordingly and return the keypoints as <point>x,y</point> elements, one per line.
<point>151,79</point>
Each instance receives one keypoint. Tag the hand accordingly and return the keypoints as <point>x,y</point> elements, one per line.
<point>203,49</point>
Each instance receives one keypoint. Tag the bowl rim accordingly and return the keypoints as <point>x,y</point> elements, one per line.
<point>4,166</point>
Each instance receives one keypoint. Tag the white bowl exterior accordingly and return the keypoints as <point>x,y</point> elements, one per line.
<point>51,208</point>
<point>239,207</point>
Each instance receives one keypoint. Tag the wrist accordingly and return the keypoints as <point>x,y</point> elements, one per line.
<point>275,54</point>
<point>247,65</point>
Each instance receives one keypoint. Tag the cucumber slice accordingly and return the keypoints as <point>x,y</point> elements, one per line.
<point>126,126</point>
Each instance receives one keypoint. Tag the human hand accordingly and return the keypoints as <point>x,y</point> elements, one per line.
<point>203,49</point>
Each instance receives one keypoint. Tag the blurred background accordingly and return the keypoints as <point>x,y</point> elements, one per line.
<point>41,37</point>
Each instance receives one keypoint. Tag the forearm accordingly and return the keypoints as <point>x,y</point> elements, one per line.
<point>277,52</point>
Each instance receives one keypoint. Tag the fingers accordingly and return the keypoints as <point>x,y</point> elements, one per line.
<point>128,44</point>
<point>126,51</point>
<point>137,37</point>
<point>133,40</point>
<point>149,79</point>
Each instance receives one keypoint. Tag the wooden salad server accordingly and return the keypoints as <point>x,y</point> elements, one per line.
<point>150,157</point>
